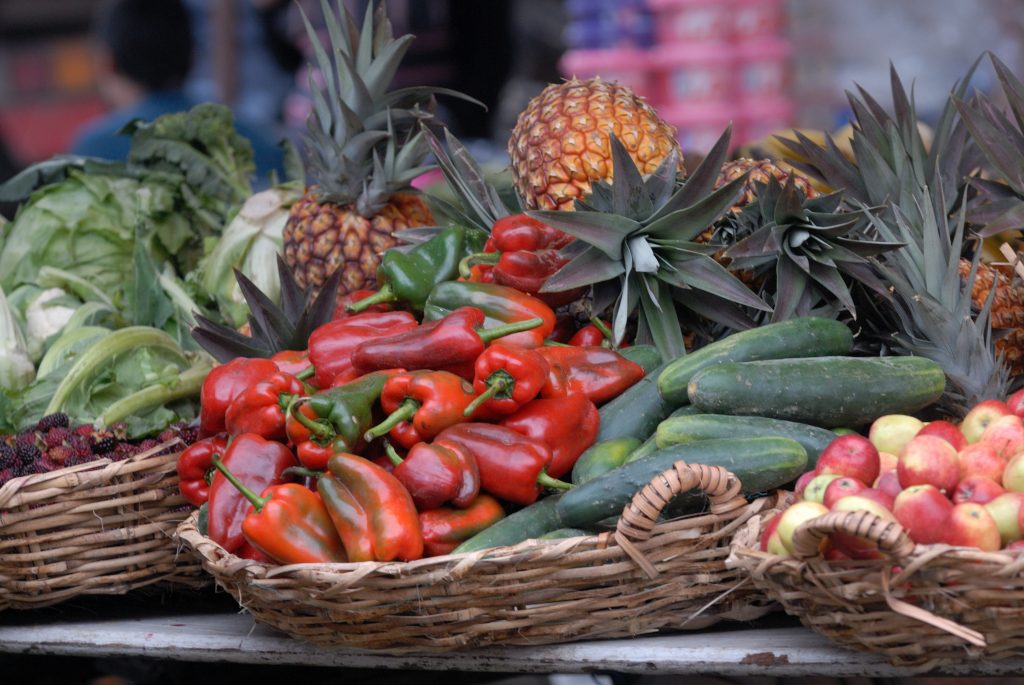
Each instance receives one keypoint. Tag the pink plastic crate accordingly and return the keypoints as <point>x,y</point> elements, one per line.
<point>757,119</point>
<point>757,18</point>
<point>697,72</point>
<point>698,125</point>
<point>628,66</point>
<point>682,21</point>
<point>763,67</point>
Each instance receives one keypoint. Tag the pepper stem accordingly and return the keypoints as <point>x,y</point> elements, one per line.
<point>393,455</point>
<point>469,261</point>
<point>549,482</point>
<point>307,372</point>
<point>605,331</point>
<point>318,427</point>
<point>499,384</point>
<point>406,410</point>
<point>489,334</point>
<point>382,296</point>
<point>256,500</point>
<point>301,471</point>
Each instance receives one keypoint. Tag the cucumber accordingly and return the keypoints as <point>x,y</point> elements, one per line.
<point>529,522</point>
<point>646,356</point>
<point>649,446</point>
<point>603,457</point>
<point>636,412</point>
<point>566,533</point>
<point>759,463</point>
<point>805,337</point>
<point>673,431</point>
<point>823,391</point>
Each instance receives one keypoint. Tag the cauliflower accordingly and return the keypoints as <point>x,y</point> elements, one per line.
<point>44,320</point>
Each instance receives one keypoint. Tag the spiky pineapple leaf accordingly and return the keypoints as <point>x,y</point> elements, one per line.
<point>660,317</point>
<point>592,266</point>
<point>701,182</point>
<point>606,232</point>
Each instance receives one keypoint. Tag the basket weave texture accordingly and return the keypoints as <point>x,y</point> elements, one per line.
<point>644,577</point>
<point>100,528</point>
<point>921,606</point>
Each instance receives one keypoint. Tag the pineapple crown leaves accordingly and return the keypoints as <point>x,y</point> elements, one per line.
<point>274,327</point>
<point>931,308</point>
<point>811,245</point>
<point>635,243</point>
<point>356,118</point>
<point>891,160</point>
<point>1000,206</point>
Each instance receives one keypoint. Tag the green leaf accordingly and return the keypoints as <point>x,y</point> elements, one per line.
<point>590,267</point>
<point>606,232</point>
<point>628,192</point>
<point>148,303</point>
<point>661,319</point>
<point>707,275</point>
<point>644,260</point>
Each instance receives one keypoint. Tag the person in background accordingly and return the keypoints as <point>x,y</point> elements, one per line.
<point>144,52</point>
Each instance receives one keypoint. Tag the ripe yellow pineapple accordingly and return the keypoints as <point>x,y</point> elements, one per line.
<point>365,148</point>
<point>760,171</point>
<point>560,141</point>
<point>1007,309</point>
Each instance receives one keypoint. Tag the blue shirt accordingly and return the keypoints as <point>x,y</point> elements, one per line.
<point>100,139</point>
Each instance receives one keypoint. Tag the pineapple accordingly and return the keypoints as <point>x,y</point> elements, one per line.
<point>1007,309</point>
<point>759,171</point>
<point>365,148</point>
<point>559,144</point>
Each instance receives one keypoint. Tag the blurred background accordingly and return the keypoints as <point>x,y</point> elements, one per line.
<point>762,64</point>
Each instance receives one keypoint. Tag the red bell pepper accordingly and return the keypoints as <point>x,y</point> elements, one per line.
<point>597,333</point>
<point>257,463</point>
<point>295,362</point>
<point>499,303</point>
<point>598,373</point>
<point>565,328</point>
<point>342,312</point>
<point>260,407</point>
<point>289,523</point>
<point>512,466</point>
<point>449,344</point>
<point>331,345</point>
<point>566,425</point>
<point>372,511</point>
<point>223,384</point>
<point>506,377</point>
<point>445,528</point>
<point>421,404</point>
<point>195,468</point>
<point>437,474</point>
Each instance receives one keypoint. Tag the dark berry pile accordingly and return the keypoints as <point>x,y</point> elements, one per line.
<point>53,443</point>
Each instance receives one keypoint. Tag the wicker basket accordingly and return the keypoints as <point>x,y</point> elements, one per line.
<point>100,528</point>
<point>923,605</point>
<point>644,577</point>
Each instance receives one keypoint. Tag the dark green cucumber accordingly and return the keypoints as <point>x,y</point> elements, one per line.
<point>636,412</point>
<point>649,446</point>
<point>529,522</point>
<point>760,464</point>
<point>823,391</point>
<point>805,337</point>
<point>646,356</point>
<point>673,431</point>
<point>603,457</point>
<point>566,533</point>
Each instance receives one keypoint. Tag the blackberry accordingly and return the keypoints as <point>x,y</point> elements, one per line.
<point>167,434</point>
<point>123,450</point>
<point>85,429</point>
<point>188,434</point>
<point>45,465</point>
<point>28,453</point>
<point>147,444</point>
<point>104,445</point>
<point>6,474</point>
<point>27,438</point>
<point>58,420</point>
<point>8,456</point>
<point>56,436</point>
<point>60,454</point>
<point>120,430</point>
<point>81,445</point>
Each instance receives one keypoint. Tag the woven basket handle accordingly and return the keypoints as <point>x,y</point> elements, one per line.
<point>888,535</point>
<point>640,516</point>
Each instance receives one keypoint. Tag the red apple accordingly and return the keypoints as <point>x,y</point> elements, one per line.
<point>793,516</point>
<point>1016,403</point>
<point>887,461</point>
<point>815,490</point>
<point>946,431</point>
<point>1015,545</point>
<point>1007,510</point>
<point>978,489</point>
<point>833,554</point>
<point>889,483</point>
<point>841,487</point>
<point>876,495</point>
<point>922,510</point>
<point>850,455</point>
<point>981,459</point>
<point>1006,434</point>
<point>802,481</point>
<point>980,415</point>
<point>1013,474</point>
<point>927,459</point>
<point>851,545</point>
<point>970,525</point>
<point>891,432</point>
<point>769,529</point>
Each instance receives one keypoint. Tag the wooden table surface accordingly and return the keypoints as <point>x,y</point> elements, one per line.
<point>212,629</point>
